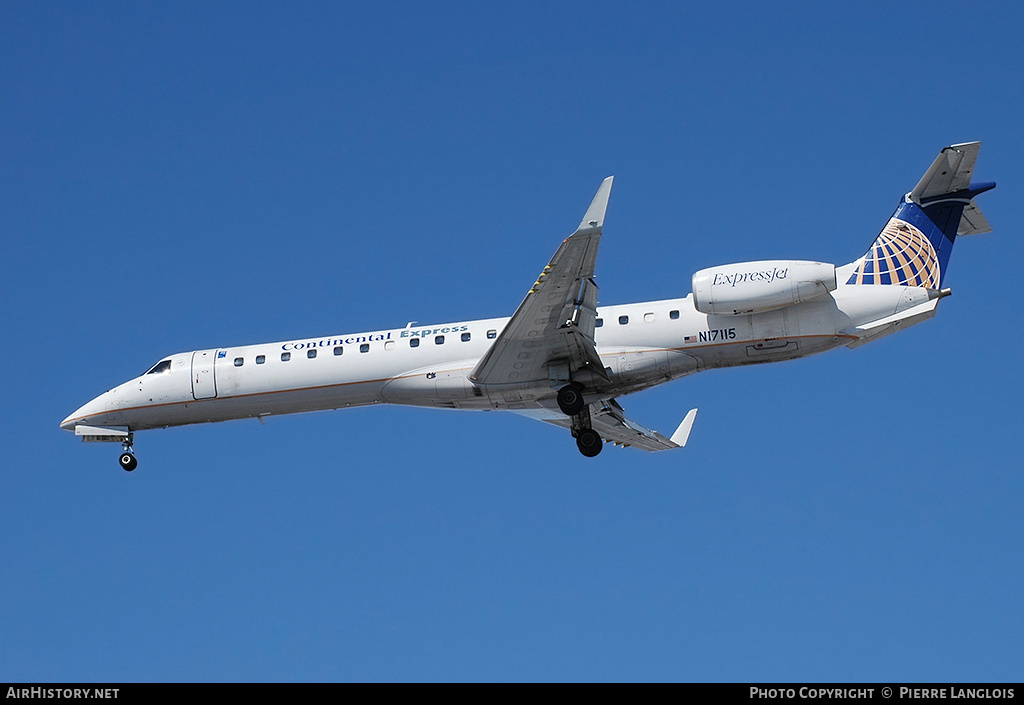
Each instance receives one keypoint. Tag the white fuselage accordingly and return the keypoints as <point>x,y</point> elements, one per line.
<point>429,366</point>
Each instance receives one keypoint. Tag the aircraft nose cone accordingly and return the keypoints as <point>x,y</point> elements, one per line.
<point>94,407</point>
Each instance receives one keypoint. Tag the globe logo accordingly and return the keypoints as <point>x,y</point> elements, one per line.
<point>900,255</point>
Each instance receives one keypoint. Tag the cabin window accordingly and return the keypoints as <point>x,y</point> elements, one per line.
<point>389,345</point>
<point>338,350</point>
<point>160,367</point>
<point>365,347</point>
<point>414,342</point>
<point>239,361</point>
<point>623,320</point>
<point>260,359</point>
<point>438,340</point>
<point>674,315</point>
<point>648,318</point>
<point>311,353</point>
<point>465,337</point>
<point>492,334</point>
<point>285,357</point>
<point>599,322</point>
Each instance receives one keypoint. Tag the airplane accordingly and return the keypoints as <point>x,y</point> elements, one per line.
<point>561,358</point>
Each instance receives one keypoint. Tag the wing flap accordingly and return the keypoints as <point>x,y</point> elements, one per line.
<point>609,420</point>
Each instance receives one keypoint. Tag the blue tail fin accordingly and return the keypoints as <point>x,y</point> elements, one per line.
<point>913,248</point>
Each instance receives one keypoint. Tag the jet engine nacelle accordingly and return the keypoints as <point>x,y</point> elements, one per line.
<point>753,287</point>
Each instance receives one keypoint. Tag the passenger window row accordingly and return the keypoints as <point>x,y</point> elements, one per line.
<point>648,318</point>
<point>340,350</point>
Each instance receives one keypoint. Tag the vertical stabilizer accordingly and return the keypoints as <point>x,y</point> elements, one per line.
<point>913,248</point>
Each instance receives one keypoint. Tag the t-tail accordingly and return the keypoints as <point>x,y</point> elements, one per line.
<point>913,248</point>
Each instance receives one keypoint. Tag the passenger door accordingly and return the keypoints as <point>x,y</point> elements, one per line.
<point>204,380</point>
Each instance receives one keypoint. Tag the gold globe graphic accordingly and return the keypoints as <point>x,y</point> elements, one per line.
<point>900,255</point>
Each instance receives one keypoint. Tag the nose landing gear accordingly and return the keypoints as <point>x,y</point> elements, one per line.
<point>127,459</point>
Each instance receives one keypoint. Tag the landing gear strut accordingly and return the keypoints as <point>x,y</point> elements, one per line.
<point>587,439</point>
<point>127,459</point>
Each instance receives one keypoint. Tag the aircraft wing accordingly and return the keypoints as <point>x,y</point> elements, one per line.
<point>556,321</point>
<point>608,419</point>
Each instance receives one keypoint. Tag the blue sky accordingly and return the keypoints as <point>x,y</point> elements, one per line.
<point>187,176</point>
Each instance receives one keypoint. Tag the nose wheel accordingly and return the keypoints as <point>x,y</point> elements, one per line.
<point>127,459</point>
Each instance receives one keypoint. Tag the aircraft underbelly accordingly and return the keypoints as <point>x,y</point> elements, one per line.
<point>270,403</point>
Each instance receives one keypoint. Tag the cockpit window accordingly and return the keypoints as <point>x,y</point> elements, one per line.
<point>160,367</point>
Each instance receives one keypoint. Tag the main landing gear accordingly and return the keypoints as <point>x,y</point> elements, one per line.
<point>570,399</point>
<point>571,403</point>
<point>127,459</point>
<point>589,442</point>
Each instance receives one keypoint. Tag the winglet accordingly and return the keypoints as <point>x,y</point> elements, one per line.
<point>594,218</point>
<point>683,432</point>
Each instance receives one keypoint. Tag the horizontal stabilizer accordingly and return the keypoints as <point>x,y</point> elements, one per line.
<point>950,172</point>
<point>972,222</point>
